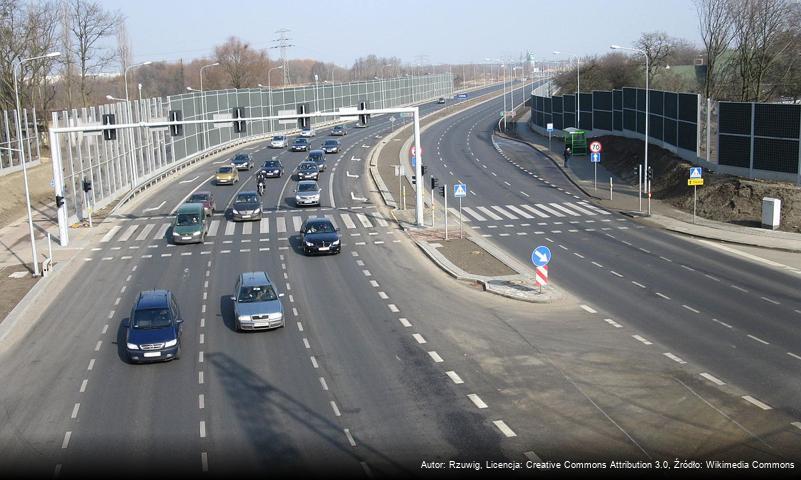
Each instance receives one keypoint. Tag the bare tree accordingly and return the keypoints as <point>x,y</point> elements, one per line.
<point>716,26</point>
<point>89,24</point>
<point>124,48</point>
<point>242,64</point>
<point>657,47</point>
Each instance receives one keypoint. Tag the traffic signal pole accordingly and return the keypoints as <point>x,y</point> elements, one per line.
<point>58,184</point>
<point>418,204</point>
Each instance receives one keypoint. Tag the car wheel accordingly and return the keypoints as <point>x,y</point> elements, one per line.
<point>237,326</point>
<point>177,353</point>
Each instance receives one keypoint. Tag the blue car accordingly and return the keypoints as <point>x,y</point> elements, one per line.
<point>154,328</point>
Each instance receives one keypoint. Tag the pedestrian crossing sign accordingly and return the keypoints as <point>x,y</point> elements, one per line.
<point>695,172</point>
<point>460,190</point>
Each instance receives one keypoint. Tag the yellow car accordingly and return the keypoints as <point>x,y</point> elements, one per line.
<point>226,175</point>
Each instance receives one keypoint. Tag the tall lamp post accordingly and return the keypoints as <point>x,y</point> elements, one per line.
<point>383,97</point>
<point>203,104</point>
<point>647,104</point>
<point>270,93</point>
<point>17,66</point>
<point>578,87</point>
<point>130,119</point>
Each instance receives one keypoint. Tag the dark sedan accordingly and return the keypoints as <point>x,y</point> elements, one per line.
<point>339,131</point>
<point>318,235</point>
<point>300,145</point>
<point>273,168</point>
<point>242,161</point>
<point>204,197</point>
<point>331,146</point>
<point>154,328</point>
<point>246,206</point>
<point>308,171</point>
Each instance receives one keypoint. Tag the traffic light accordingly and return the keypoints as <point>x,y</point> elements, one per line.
<point>414,179</point>
<point>59,201</point>
<point>176,116</point>
<point>423,169</point>
<point>109,133</point>
<point>239,125</point>
<point>650,172</point>
<point>363,118</point>
<point>434,182</point>
<point>442,190</point>
<point>302,110</point>
<point>87,185</point>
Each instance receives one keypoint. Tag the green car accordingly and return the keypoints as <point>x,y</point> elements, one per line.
<point>191,224</point>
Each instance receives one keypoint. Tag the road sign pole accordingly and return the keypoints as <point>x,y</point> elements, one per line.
<point>639,186</point>
<point>400,184</point>
<point>695,198</point>
<point>648,188</point>
<point>610,188</point>
<point>549,141</point>
<point>460,217</point>
<point>446,211</point>
<point>595,175</point>
<point>418,169</point>
<point>433,225</point>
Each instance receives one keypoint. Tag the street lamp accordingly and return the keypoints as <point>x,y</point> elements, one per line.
<point>203,104</point>
<point>130,119</point>
<point>316,95</point>
<point>647,104</point>
<point>270,93</point>
<point>578,87</point>
<point>383,98</point>
<point>22,154</point>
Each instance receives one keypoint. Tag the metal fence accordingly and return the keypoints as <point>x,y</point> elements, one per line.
<point>115,167</point>
<point>9,144</point>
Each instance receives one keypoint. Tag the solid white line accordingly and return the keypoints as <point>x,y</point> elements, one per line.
<point>752,400</point>
<point>757,339</point>
<point>323,383</point>
<point>351,441</point>
<point>455,377</point>
<point>674,358</point>
<point>405,322</point>
<point>713,379</point>
<point>435,356</point>
<point>477,400</point>
<point>690,308</point>
<point>75,411</point>
<point>588,309</point>
<point>66,442</point>
<point>419,338</point>
<point>637,337</point>
<point>335,408</point>
<point>504,428</point>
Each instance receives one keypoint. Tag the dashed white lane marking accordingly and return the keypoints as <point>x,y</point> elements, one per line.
<point>306,343</point>
<point>204,461</point>
<point>533,457</point>
<point>366,273</point>
<point>770,300</point>
<point>66,442</point>
<point>351,441</point>
<point>335,408</point>
<point>477,400</point>
<point>405,322</point>
<point>314,362</point>
<point>722,323</point>
<point>83,385</point>
<point>91,364</point>
<point>716,279</point>
<point>674,358</point>
<point>796,425</point>
<point>373,283</point>
<point>688,268</point>
<point>638,284</point>
<point>615,273</point>
<point>794,355</point>
<point>435,356</point>
<point>757,339</point>
<point>663,295</point>
<point>419,338</point>
<point>690,308</point>
<point>300,327</point>
<point>393,308</point>
<point>713,379</point>
<point>454,376</point>
<point>597,264</point>
<point>637,337</point>
<point>201,401</point>
<point>613,323</point>
<point>366,469</point>
<point>57,471</point>
<point>666,259</point>
<point>383,295</point>
<point>202,429</point>
<point>754,401</point>
<point>578,255</point>
<point>588,309</point>
<point>739,288</point>
<point>200,377</point>
<point>75,411</point>
<point>323,383</point>
<point>508,432</point>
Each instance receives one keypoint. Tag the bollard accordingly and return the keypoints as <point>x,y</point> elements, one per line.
<point>610,188</point>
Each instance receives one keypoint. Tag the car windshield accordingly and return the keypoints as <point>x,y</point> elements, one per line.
<point>278,138</point>
<point>198,198</point>
<point>307,187</point>
<point>247,198</point>
<point>151,318</point>
<point>225,170</point>
<point>272,164</point>
<point>261,293</point>
<point>241,158</point>
<point>187,219</point>
<point>330,143</point>
<point>316,157</point>
<point>301,140</point>
<point>320,227</point>
<point>307,166</point>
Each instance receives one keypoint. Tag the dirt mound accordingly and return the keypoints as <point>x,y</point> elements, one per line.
<point>724,198</point>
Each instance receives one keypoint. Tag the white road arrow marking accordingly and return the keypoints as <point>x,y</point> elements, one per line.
<point>351,176</point>
<point>353,197</point>
<point>189,181</point>
<point>155,208</point>
<point>355,159</point>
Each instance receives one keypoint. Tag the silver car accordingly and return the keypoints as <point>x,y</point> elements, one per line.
<point>307,193</point>
<point>257,306</point>
<point>278,141</point>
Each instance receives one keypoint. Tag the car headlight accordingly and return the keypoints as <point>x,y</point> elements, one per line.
<point>171,343</point>
<point>309,244</point>
<point>276,316</point>
<point>335,242</point>
<point>244,318</point>
<point>258,209</point>
<point>195,234</point>
<point>132,346</point>
<point>234,211</point>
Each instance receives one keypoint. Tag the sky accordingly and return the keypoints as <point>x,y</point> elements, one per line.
<point>446,31</point>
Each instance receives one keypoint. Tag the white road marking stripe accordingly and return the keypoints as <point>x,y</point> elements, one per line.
<point>393,308</point>
<point>364,220</point>
<point>711,277</point>
<point>754,401</point>
<point>739,288</point>
<point>593,207</point>
<point>722,323</point>
<point>91,364</point>
<point>127,233</point>
<point>641,339</point>
<point>66,442</point>
<point>770,300</point>
<point>613,323</point>
<point>519,211</point>
<point>674,358</point>
<point>663,296</point>
<point>597,264</point>
<point>535,211</point>
<point>314,362</point>
<point>405,322</point>
<point>110,233</point>
<point>615,273</point>
<point>690,308</point>
<point>215,224</point>
<point>794,355</point>
<point>200,377</point>
<point>474,214</point>
<point>508,432</point>
<point>204,461</point>
<point>380,220</point>
<point>347,220</point>
<point>75,411</point>
<point>549,210</point>
<point>297,222</point>
<point>566,210</point>
<point>486,211</point>
<point>435,356</point>
<point>383,295</point>
<point>454,376</point>
<point>374,283</point>
<point>351,440</point>
<point>419,338</point>
<point>580,209</point>
<point>247,228</point>
<point>757,339</point>
<point>588,309</point>
<point>796,425</point>
<point>504,212</point>
<point>264,225</point>
<point>713,379</point>
<point>145,232</point>
<point>280,224</point>
<point>578,255</point>
<point>202,429</point>
<point>161,232</point>
<point>335,408</point>
<point>477,400</point>
<point>638,284</point>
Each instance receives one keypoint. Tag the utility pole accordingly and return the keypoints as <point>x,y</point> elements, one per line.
<point>283,44</point>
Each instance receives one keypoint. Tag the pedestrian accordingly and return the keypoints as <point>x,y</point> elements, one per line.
<point>567,155</point>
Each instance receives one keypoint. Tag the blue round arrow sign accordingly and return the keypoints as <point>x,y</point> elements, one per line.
<point>541,256</point>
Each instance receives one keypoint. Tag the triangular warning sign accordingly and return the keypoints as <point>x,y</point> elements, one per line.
<point>459,189</point>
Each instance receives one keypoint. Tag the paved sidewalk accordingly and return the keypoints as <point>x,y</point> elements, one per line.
<point>625,199</point>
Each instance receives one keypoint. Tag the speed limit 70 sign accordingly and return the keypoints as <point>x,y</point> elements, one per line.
<point>595,147</point>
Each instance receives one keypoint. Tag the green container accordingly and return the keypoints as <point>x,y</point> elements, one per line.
<point>577,140</point>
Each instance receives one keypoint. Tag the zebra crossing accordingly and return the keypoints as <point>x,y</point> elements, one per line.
<point>539,211</point>
<point>220,227</point>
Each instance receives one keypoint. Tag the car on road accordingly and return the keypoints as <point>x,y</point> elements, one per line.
<point>339,131</point>
<point>307,132</point>
<point>226,175</point>
<point>331,146</point>
<point>279,141</point>
<point>273,168</point>
<point>153,332</point>
<point>257,306</point>
<point>242,161</point>
<point>191,224</point>
<point>246,206</point>
<point>308,171</point>
<point>318,235</point>
<point>441,100</point>
<point>307,193</point>
<point>318,157</point>
<point>300,145</point>
<point>206,198</point>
